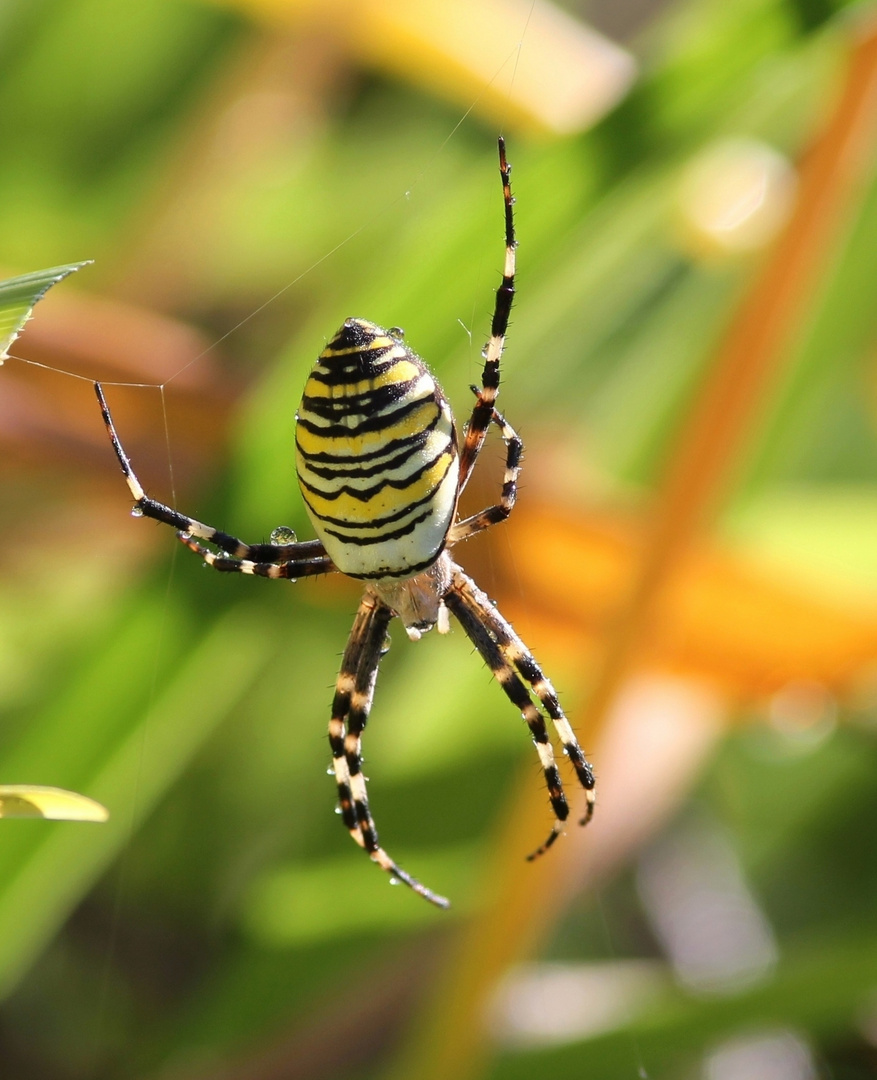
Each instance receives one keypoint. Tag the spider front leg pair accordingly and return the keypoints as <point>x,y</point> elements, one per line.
<point>514,666</point>
<point>354,692</point>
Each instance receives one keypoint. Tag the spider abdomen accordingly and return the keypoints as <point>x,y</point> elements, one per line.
<point>376,454</point>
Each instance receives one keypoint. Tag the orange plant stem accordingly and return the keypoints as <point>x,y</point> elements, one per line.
<point>749,360</point>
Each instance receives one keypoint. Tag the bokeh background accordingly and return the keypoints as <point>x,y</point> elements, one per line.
<point>694,556</point>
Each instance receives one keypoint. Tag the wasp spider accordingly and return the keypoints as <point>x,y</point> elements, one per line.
<point>381,471</point>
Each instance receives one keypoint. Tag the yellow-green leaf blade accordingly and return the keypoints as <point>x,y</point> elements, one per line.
<point>53,803</point>
<point>18,295</point>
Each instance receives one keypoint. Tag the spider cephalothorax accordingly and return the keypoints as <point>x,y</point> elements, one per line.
<point>381,473</point>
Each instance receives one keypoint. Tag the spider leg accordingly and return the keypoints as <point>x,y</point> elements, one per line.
<point>307,553</point>
<point>517,653</point>
<point>471,621</point>
<point>354,692</point>
<point>285,567</point>
<point>469,526</point>
<point>510,660</point>
<point>482,413</point>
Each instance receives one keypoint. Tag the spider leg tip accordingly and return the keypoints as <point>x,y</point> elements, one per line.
<point>552,836</point>
<point>398,876</point>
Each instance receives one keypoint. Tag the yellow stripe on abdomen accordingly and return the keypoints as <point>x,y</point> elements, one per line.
<point>357,513</point>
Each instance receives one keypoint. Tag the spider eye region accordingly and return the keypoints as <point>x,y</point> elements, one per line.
<point>376,455</point>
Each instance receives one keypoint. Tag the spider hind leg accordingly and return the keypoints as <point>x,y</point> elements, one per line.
<point>493,515</point>
<point>482,413</point>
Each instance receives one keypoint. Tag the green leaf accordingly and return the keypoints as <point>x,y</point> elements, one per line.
<point>18,296</point>
<point>44,872</point>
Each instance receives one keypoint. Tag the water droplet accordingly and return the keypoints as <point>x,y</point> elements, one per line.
<point>282,535</point>
<point>395,881</point>
<point>337,810</point>
<point>330,771</point>
<point>396,332</point>
<point>136,512</point>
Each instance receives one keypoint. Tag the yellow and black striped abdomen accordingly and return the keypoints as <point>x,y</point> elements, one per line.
<point>376,453</point>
